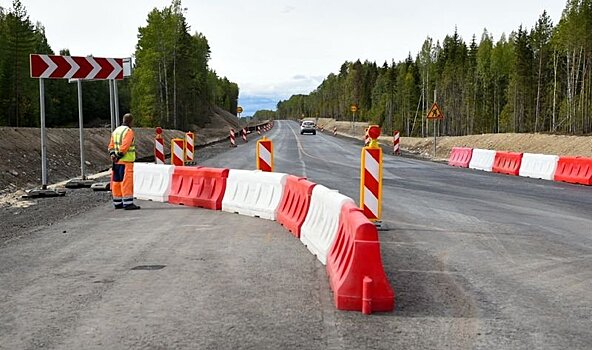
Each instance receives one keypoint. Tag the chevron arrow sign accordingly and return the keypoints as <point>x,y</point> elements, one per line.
<point>73,67</point>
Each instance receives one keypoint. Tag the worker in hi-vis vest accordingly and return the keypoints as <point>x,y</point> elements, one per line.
<point>123,154</point>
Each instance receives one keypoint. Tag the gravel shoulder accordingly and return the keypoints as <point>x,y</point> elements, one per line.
<point>23,216</point>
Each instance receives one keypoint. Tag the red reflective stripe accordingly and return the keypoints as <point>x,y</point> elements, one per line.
<point>371,183</point>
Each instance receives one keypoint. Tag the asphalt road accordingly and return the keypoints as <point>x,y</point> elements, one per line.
<point>477,261</point>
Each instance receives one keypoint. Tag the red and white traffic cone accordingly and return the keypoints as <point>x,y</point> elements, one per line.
<point>396,146</point>
<point>245,135</point>
<point>159,147</point>
<point>232,141</point>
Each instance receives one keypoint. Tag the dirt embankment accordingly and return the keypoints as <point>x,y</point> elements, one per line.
<point>21,149</point>
<point>561,145</point>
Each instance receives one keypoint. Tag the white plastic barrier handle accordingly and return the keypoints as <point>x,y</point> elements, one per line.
<point>153,181</point>
<point>482,159</point>
<point>254,193</point>
<point>539,166</point>
<point>322,220</point>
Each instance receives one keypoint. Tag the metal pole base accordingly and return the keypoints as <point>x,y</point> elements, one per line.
<point>101,186</point>
<point>79,183</point>
<point>44,193</point>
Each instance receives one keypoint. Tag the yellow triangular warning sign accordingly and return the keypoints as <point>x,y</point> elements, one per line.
<point>435,112</point>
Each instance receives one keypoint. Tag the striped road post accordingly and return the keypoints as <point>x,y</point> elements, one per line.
<point>178,152</point>
<point>159,147</point>
<point>265,155</point>
<point>232,140</point>
<point>371,177</point>
<point>189,147</point>
<point>396,145</point>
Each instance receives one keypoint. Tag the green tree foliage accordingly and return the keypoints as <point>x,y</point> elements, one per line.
<point>19,93</point>
<point>264,114</point>
<point>533,80</point>
<point>172,84</point>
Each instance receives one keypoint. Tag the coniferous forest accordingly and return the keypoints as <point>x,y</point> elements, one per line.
<point>171,85</point>
<point>535,79</point>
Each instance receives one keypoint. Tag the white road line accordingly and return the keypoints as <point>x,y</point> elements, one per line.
<point>300,151</point>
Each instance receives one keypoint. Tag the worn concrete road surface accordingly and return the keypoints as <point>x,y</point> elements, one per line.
<point>477,261</point>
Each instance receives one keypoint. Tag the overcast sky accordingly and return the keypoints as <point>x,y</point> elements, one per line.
<point>276,48</point>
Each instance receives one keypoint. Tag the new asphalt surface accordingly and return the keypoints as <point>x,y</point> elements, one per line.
<point>477,261</point>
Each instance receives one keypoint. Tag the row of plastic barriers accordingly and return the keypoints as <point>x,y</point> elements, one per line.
<point>576,170</point>
<point>328,223</point>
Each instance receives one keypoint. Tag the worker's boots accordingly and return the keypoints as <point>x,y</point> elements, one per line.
<point>131,207</point>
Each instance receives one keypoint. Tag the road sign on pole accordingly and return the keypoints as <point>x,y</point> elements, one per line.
<point>69,67</point>
<point>75,67</point>
<point>435,113</point>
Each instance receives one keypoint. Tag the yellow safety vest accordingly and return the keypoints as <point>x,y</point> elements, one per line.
<point>118,136</point>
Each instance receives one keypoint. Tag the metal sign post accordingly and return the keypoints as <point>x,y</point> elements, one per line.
<point>43,136</point>
<point>70,67</point>
<point>435,114</point>
<point>82,182</point>
<point>111,106</point>
<point>116,102</point>
<point>44,191</point>
<point>81,127</point>
<point>354,109</point>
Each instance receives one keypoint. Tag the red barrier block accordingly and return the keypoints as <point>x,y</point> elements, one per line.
<point>198,187</point>
<point>354,265</point>
<point>577,170</point>
<point>460,156</point>
<point>295,203</point>
<point>507,163</point>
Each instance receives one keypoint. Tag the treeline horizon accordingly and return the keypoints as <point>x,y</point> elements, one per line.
<point>534,80</point>
<point>171,85</point>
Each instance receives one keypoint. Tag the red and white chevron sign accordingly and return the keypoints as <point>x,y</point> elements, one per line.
<point>75,67</point>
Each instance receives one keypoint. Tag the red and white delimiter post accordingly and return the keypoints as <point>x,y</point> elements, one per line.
<point>189,147</point>
<point>232,140</point>
<point>265,155</point>
<point>371,177</point>
<point>178,152</point>
<point>245,135</point>
<point>396,145</point>
<point>159,147</point>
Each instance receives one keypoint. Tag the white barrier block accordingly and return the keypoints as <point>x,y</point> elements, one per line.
<point>322,221</point>
<point>482,159</point>
<point>153,181</point>
<point>539,166</point>
<point>254,193</point>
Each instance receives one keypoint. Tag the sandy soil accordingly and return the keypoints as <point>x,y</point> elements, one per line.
<point>21,150</point>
